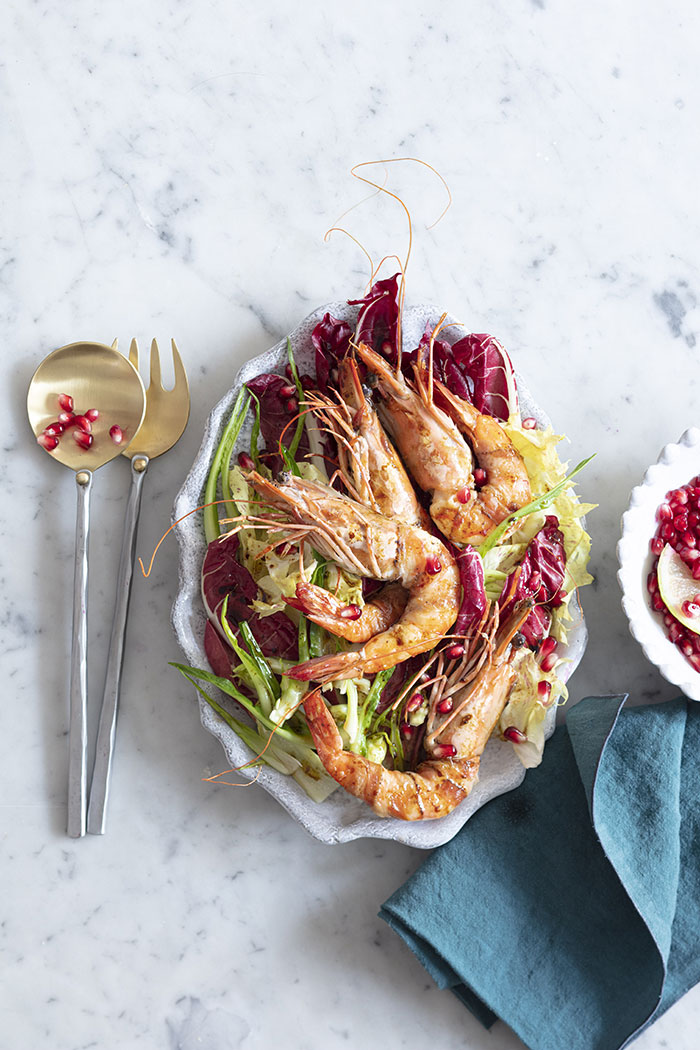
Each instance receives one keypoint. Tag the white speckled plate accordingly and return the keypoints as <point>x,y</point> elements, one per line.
<point>676,465</point>
<point>340,818</point>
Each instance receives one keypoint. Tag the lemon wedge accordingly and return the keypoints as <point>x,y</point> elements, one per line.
<point>678,588</point>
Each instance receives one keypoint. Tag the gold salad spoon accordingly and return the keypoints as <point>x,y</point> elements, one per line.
<point>97,386</point>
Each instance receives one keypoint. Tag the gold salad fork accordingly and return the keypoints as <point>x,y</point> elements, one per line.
<point>166,416</point>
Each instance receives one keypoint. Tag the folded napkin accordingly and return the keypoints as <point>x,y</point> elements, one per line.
<point>570,907</point>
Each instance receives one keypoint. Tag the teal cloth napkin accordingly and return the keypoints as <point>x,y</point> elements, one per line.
<point>570,907</point>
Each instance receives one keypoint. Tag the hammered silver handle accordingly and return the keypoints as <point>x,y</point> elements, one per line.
<point>104,750</point>
<point>77,744</point>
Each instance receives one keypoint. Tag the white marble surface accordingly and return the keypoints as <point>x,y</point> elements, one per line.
<point>170,169</point>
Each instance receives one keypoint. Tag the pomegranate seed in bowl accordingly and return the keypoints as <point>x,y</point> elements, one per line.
<point>66,402</point>
<point>81,438</point>
<point>117,434</point>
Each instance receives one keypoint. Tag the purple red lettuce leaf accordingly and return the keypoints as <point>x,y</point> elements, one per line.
<point>331,342</point>
<point>272,391</point>
<point>485,362</point>
<point>541,576</point>
<point>471,575</point>
<point>378,320</point>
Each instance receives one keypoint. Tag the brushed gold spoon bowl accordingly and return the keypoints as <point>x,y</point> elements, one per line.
<point>97,377</point>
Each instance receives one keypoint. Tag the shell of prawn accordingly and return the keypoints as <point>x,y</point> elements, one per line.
<point>367,543</point>
<point>437,785</point>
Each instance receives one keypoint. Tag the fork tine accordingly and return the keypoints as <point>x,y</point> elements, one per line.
<point>134,354</point>
<point>155,366</point>
<point>179,368</point>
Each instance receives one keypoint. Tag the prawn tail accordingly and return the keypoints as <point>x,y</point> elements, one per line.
<point>322,726</point>
<point>335,667</point>
<point>352,622</point>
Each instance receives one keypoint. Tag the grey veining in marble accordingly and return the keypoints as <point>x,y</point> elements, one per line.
<point>171,169</point>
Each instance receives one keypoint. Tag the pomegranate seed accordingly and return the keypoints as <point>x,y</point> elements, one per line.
<point>245,461</point>
<point>82,438</point>
<point>407,730</point>
<point>544,689</point>
<point>680,522</point>
<point>513,734</point>
<point>652,583</point>
<point>433,565</point>
<point>54,429</point>
<point>674,632</point>
<point>479,476</point>
<point>548,662</point>
<point>548,646</point>
<point>657,603</point>
<point>66,418</point>
<point>656,545</point>
<point>425,677</point>
<point>117,434</point>
<point>48,441</point>
<point>414,702</point>
<point>691,609</point>
<point>689,540</point>
<point>529,423</point>
<point>679,496</point>
<point>667,533</point>
<point>444,751</point>
<point>693,519</point>
<point>668,619</point>
<point>351,612</point>
<point>454,652</point>
<point>696,570</point>
<point>291,406</point>
<point>463,496</point>
<point>288,372</point>
<point>288,391</point>
<point>66,402</point>
<point>83,423</point>
<point>93,415</point>
<point>664,513</point>
<point>687,649</point>
<point>445,706</point>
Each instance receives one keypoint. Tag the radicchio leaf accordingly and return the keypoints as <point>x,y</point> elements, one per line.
<point>540,578</point>
<point>471,575</point>
<point>486,363</point>
<point>275,415</point>
<point>377,323</point>
<point>331,342</point>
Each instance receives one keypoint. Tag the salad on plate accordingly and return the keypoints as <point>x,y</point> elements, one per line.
<point>392,563</point>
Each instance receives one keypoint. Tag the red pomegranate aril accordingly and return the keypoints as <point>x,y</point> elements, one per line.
<point>513,734</point>
<point>529,423</point>
<point>406,730</point>
<point>693,519</point>
<point>664,513</point>
<point>678,496</point>
<point>548,662</point>
<point>686,648</point>
<point>83,423</point>
<point>54,429</point>
<point>548,646</point>
<point>117,434</point>
<point>351,612</point>
<point>454,652</point>
<point>680,522</point>
<point>656,545</point>
<point>93,415</point>
<point>691,609</point>
<point>667,533</point>
<point>463,496</point>
<point>657,603</point>
<point>414,702</point>
<point>288,391</point>
<point>544,689</point>
<point>291,406</point>
<point>66,418</point>
<point>48,441</point>
<point>245,462</point>
<point>444,751</point>
<point>445,706</point>
<point>288,372</point>
<point>66,402</point>
<point>689,540</point>
<point>433,565</point>
<point>479,476</point>
<point>652,583</point>
<point>82,438</point>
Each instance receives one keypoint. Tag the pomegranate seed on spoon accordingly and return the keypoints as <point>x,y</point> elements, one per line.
<point>66,418</point>
<point>54,429</point>
<point>47,441</point>
<point>83,423</point>
<point>117,434</point>
<point>92,414</point>
<point>81,438</point>
<point>66,402</point>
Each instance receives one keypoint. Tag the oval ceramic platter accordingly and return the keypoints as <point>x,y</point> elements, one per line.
<point>340,818</point>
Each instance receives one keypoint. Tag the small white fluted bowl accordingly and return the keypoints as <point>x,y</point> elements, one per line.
<point>676,465</point>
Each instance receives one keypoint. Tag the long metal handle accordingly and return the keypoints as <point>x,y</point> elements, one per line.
<point>77,746</point>
<point>104,752</point>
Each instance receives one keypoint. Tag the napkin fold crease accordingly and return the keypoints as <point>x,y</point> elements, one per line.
<point>570,907</point>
